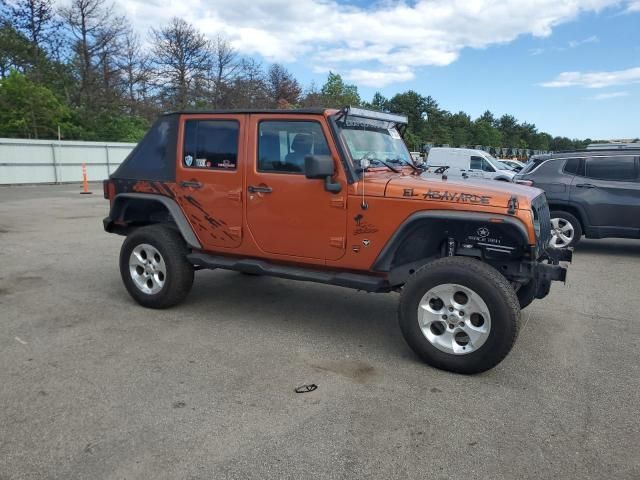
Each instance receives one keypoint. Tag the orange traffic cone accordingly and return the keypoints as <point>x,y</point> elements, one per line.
<point>85,183</point>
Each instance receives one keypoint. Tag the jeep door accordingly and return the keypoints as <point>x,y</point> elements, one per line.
<point>287,213</point>
<point>609,192</point>
<point>209,177</point>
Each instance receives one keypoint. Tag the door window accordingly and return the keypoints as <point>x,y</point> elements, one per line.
<point>282,146</point>
<point>480,163</point>
<point>476,163</point>
<point>612,168</point>
<point>210,144</point>
<point>575,166</point>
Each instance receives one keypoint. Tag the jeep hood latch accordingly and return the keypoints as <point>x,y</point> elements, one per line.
<point>512,205</point>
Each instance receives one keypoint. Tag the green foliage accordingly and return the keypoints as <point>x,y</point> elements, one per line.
<point>29,110</point>
<point>338,94</point>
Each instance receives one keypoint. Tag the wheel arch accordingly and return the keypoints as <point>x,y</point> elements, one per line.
<point>129,210</point>
<point>422,236</point>
<point>573,210</point>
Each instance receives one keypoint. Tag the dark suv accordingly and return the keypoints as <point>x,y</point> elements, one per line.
<point>591,192</point>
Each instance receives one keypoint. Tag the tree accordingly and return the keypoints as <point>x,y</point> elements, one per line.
<point>182,59</point>
<point>35,19</point>
<point>225,64</point>
<point>96,31</point>
<point>379,102</point>
<point>136,73</point>
<point>337,94</point>
<point>14,50</point>
<point>29,110</point>
<point>284,89</point>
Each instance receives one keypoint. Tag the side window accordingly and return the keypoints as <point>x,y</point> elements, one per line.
<point>282,146</point>
<point>487,167</point>
<point>476,163</point>
<point>612,168</point>
<point>211,144</point>
<point>574,166</point>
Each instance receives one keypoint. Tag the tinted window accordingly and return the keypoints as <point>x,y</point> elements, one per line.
<point>154,158</point>
<point>282,146</point>
<point>211,144</point>
<point>476,163</point>
<point>611,168</point>
<point>574,166</point>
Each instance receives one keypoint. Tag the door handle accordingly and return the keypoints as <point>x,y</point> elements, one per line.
<point>190,184</point>
<point>259,189</point>
<point>585,185</point>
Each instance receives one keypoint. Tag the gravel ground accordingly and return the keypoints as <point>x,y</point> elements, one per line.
<point>93,386</point>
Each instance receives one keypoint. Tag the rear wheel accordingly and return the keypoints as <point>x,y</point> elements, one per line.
<point>459,314</point>
<point>154,267</point>
<point>566,230</point>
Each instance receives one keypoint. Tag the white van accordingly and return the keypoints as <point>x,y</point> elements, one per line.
<point>466,161</point>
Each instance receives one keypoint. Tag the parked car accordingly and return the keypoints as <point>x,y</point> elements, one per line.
<point>469,162</point>
<point>595,193</point>
<point>332,196</point>
<point>516,165</point>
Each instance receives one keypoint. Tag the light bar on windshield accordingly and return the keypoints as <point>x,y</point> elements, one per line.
<point>372,114</point>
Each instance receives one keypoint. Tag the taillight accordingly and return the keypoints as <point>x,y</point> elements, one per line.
<point>108,189</point>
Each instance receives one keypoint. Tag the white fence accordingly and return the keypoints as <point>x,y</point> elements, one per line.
<point>49,161</point>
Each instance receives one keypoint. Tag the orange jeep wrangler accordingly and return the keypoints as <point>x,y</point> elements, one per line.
<point>333,196</point>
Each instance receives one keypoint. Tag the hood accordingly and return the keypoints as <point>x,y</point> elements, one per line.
<point>452,190</point>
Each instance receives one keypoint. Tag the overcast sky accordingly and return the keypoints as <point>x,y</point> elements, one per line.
<point>571,67</point>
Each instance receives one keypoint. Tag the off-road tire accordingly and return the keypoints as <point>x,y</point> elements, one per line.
<point>490,285</point>
<point>179,272</point>
<point>575,223</point>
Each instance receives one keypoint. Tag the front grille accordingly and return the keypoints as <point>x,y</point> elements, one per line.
<point>541,215</point>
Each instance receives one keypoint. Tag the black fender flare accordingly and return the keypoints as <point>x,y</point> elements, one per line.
<point>119,205</point>
<point>385,257</point>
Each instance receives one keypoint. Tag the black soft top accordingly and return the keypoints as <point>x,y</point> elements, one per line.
<point>300,111</point>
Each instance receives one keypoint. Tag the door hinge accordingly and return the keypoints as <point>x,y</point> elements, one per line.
<point>235,195</point>
<point>337,242</point>
<point>235,231</point>
<point>337,202</point>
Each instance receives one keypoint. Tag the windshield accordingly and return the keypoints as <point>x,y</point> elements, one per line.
<point>376,144</point>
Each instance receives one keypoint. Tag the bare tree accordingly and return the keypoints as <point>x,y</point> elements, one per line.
<point>284,89</point>
<point>225,66</point>
<point>36,20</point>
<point>182,59</point>
<point>248,88</point>
<point>96,30</point>
<point>135,72</point>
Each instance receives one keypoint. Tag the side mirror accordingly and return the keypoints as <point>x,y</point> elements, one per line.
<point>321,166</point>
<point>318,166</point>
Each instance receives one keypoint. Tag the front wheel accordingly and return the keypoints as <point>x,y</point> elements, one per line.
<point>459,314</point>
<point>154,267</point>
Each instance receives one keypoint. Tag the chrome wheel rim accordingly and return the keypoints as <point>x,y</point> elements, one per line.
<point>454,319</point>
<point>147,269</point>
<point>562,233</point>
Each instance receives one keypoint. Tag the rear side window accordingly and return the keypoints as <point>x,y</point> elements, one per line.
<point>612,168</point>
<point>210,144</point>
<point>154,158</point>
<point>574,166</point>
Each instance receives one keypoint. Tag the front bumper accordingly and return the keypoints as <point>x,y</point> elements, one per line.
<point>549,270</point>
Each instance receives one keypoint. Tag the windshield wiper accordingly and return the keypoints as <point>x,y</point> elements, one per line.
<point>377,161</point>
<point>385,163</point>
<point>405,162</point>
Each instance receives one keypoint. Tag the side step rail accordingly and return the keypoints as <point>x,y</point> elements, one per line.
<point>368,283</point>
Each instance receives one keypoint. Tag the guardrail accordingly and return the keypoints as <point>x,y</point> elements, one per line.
<point>25,161</point>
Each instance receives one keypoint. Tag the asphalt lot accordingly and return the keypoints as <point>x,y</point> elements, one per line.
<point>93,386</point>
